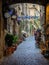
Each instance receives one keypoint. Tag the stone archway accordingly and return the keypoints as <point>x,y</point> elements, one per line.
<point>1,32</point>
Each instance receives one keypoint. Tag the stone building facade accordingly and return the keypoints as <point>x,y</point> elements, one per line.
<point>10,22</point>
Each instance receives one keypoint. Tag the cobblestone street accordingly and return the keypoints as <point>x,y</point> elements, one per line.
<point>26,54</point>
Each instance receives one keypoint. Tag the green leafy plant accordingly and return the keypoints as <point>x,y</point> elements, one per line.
<point>9,40</point>
<point>15,39</point>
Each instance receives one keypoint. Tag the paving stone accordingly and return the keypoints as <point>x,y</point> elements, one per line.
<point>26,54</point>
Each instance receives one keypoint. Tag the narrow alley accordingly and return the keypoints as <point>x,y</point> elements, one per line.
<point>26,54</point>
<point>24,32</point>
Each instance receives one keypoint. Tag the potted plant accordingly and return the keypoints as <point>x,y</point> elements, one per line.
<point>9,40</point>
<point>8,44</point>
<point>15,41</point>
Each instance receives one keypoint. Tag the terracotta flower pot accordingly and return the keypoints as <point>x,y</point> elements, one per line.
<point>8,51</point>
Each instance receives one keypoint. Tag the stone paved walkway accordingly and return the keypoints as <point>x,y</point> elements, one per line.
<point>26,54</point>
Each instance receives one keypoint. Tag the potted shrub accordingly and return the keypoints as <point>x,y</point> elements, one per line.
<point>15,41</point>
<point>9,40</point>
<point>8,43</point>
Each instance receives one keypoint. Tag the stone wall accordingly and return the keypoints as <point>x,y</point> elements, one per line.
<point>1,32</point>
<point>47,14</point>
